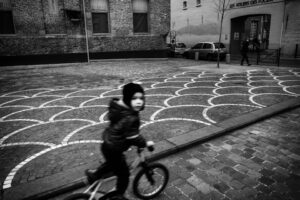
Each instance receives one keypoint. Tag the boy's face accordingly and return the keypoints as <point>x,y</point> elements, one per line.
<point>137,101</point>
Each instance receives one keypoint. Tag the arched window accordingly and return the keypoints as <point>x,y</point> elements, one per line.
<point>184,4</point>
<point>140,16</point>
<point>100,10</point>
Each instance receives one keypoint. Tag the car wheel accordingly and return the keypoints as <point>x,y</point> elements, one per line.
<point>185,55</point>
<point>209,57</point>
<point>223,57</point>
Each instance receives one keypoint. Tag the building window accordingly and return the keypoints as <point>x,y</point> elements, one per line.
<point>198,3</point>
<point>6,22</point>
<point>6,18</point>
<point>53,7</point>
<point>140,16</point>
<point>184,4</point>
<point>54,17</point>
<point>100,16</point>
<point>253,29</point>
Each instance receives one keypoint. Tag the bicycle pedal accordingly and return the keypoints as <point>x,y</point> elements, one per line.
<point>90,177</point>
<point>86,181</point>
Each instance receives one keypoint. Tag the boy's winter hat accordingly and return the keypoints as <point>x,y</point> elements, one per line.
<point>129,90</point>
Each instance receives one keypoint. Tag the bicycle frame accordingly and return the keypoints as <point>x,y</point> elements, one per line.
<point>139,161</point>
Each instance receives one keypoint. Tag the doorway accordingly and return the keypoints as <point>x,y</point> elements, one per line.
<point>254,27</point>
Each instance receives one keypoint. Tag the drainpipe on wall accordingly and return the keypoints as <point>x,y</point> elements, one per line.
<point>86,33</point>
<point>282,24</point>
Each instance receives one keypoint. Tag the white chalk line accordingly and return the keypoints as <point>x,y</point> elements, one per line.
<point>165,80</point>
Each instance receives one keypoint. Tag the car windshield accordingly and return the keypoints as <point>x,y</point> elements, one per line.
<point>180,45</point>
<point>219,45</point>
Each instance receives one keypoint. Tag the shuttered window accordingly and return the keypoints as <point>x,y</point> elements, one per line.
<point>140,16</point>
<point>100,9</point>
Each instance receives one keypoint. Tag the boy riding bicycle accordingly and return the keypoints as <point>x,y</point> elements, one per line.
<point>122,132</point>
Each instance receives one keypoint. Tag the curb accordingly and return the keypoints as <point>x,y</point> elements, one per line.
<point>171,146</point>
<point>59,65</point>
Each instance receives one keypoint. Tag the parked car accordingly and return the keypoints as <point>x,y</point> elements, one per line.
<point>180,48</point>
<point>176,49</point>
<point>206,50</point>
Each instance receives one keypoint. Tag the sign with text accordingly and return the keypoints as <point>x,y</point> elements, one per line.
<point>249,3</point>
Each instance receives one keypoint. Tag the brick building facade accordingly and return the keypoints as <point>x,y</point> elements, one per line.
<point>43,31</point>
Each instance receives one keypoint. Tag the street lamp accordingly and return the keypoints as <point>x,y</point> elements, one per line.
<point>86,33</point>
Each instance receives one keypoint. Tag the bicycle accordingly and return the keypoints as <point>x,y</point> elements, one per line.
<point>149,181</point>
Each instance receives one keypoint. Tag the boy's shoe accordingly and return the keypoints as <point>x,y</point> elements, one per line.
<point>119,197</point>
<point>90,174</point>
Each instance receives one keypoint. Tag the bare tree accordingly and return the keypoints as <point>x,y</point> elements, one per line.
<point>221,7</point>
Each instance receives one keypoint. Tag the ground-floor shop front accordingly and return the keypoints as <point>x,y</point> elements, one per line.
<point>270,25</point>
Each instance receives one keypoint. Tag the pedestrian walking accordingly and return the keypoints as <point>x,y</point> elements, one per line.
<point>256,44</point>
<point>244,51</point>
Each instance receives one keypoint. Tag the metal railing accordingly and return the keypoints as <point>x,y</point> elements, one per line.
<point>297,53</point>
<point>268,56</point>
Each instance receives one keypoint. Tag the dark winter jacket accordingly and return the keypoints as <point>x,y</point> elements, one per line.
<point>245,47</point>
<point>123,130</point>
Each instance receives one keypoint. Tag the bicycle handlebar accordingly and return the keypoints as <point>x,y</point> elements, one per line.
<point>150,148</point>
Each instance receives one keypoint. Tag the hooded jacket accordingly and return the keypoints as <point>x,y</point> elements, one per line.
<point>123,130</point>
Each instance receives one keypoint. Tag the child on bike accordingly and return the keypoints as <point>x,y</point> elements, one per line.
<point>122,132</point>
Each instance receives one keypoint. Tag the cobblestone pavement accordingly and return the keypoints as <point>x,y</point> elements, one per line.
<point>261,162</point>
<point>62,120</point>
<point>84,75</point>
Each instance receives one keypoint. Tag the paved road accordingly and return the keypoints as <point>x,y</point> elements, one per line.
<point>261,162</point>
<point>49,124</point>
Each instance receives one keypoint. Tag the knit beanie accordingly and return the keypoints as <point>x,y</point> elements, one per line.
<point>129,90</point>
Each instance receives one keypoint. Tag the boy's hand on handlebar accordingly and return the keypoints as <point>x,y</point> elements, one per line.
<point>150,145</point>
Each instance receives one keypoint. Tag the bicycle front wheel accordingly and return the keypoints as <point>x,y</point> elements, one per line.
<point>151,181</point>
<point>78,196</point>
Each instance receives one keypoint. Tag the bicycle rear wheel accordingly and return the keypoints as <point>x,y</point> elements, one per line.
<point>151,181</point>
<point>78,196</point>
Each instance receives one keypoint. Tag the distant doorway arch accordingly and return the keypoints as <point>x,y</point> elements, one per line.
<point>254,27</point>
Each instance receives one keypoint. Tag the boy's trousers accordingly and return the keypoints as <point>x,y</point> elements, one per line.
<point>115,162</point>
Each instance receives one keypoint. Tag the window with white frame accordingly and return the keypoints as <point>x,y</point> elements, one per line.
<point>6,18</point>
<point>100,10</point>
<point>140,16</point>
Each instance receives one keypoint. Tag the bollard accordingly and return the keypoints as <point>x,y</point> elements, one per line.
<point>196,55</point>
<point>227,58</point>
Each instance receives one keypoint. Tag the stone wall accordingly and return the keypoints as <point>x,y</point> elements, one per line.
<point>40,30</point>
<point>291,29</point>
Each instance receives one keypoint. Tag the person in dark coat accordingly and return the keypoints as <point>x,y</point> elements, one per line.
<point>256,44</point>
<point>121,133</point>
<point>244,52</point>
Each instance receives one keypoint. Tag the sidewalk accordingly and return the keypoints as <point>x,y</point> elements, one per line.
<point>55,183</point>
<point>254,162</point>
<point>249,163</point>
